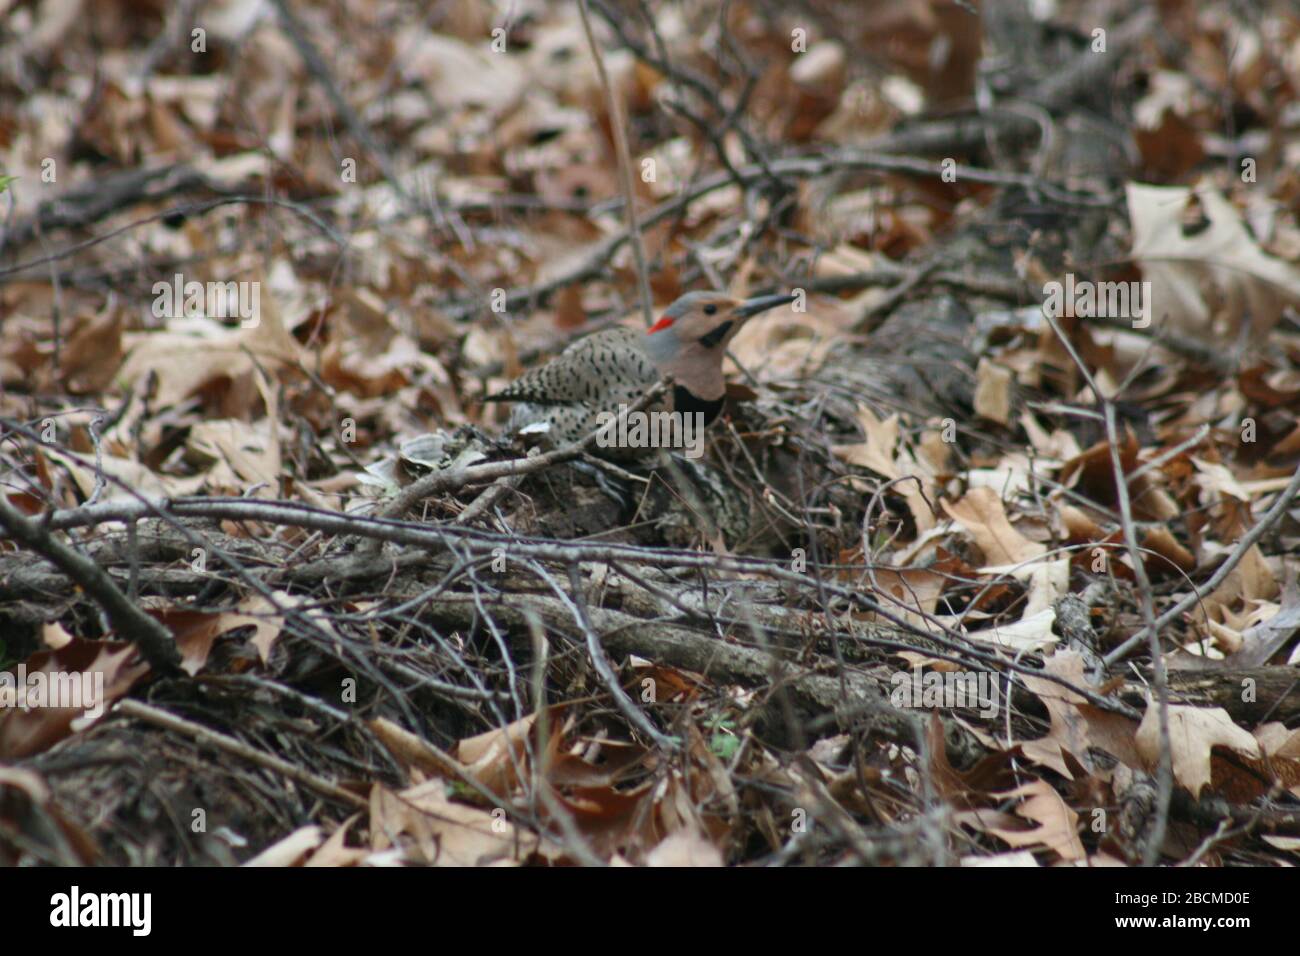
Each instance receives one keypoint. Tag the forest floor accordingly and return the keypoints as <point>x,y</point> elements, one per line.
<point>990,559</point>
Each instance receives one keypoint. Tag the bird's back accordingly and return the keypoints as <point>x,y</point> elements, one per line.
<point>611,363</point>
<point>595,374</point>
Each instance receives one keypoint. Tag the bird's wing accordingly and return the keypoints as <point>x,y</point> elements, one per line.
<point>604,365</point>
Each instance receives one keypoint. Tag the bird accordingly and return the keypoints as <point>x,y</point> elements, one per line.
<point>570,396</point>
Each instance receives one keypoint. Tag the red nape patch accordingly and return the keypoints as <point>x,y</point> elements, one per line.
<point>661,325</point>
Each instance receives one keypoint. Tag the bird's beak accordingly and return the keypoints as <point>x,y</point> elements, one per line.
<point>760,304</point>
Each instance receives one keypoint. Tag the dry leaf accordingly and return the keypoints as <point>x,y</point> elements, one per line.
<point>993,391</point>
<point>981,513</point>
<point>1193,732</point>
<point>1057,824</point>
<point>684,848</point>
<point>1221,260</point>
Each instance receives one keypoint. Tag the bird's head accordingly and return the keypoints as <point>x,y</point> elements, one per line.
<point>696,329</point>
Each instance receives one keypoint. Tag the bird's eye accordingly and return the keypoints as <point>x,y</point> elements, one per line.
<point>710,309</point>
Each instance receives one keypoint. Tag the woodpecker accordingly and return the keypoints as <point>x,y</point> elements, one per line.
<point>615,367</point>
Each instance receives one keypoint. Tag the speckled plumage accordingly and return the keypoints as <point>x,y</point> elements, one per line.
<point>596,373</point>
